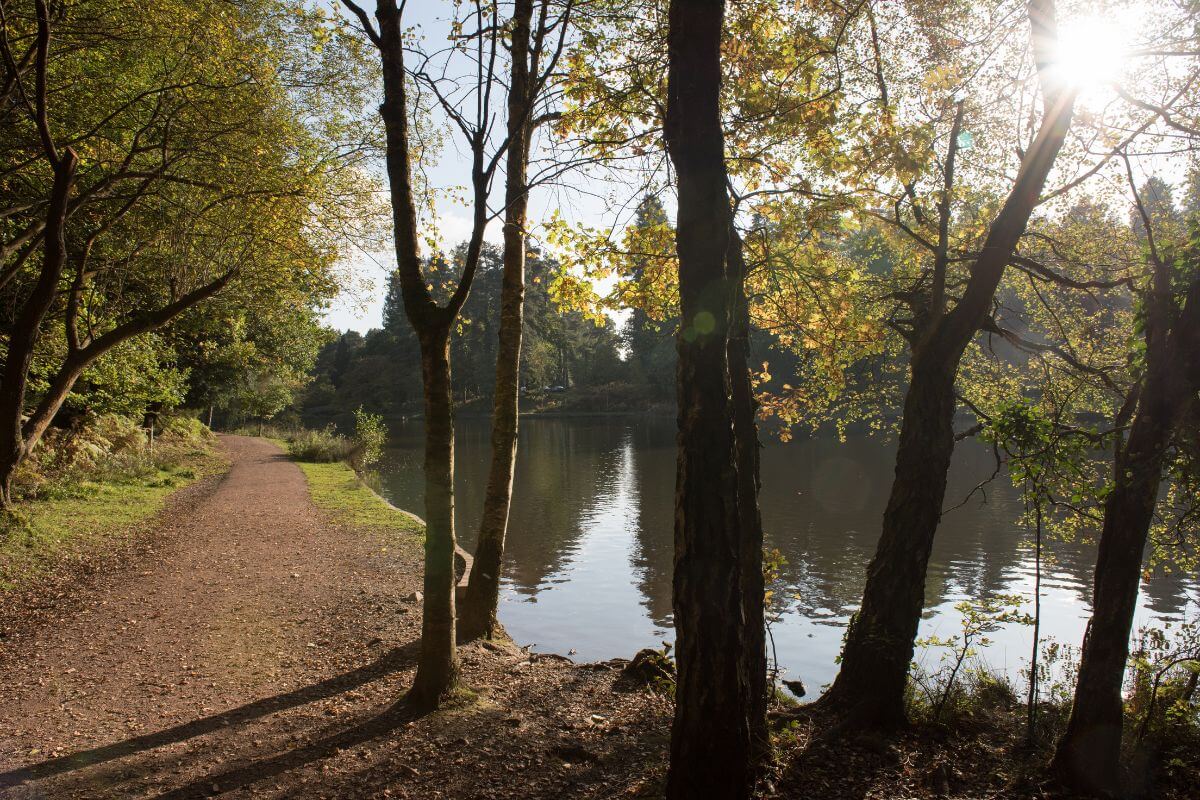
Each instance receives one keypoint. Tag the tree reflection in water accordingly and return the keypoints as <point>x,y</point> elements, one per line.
<point>588,566</point>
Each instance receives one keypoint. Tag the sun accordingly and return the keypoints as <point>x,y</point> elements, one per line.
<point>1091,53</point>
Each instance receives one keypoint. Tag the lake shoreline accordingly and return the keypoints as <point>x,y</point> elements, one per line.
<point>968,750</point>
<point>589,554</point>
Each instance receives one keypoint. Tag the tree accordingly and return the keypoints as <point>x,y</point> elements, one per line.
<point>531,65</point>
<point>869,688</point>
<point>437,667</point>
<point>1088,754</point>
<point>242,346</point>
<point>647,332</point>
<point>711,738</point>
<point>198,172</point>
<point>381,369</point>
<point>15,439</point>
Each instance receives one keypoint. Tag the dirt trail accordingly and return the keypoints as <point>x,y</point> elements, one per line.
<point>257,649</point>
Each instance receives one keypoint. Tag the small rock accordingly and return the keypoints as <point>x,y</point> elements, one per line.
<point>795,687</point>
<point>574,753</point>
<point>460,563</point>
<point>415,597</point>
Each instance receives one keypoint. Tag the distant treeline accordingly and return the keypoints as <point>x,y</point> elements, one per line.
<point>569,362</point>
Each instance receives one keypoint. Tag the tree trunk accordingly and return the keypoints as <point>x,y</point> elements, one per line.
<point>437,667</point>
<point>711,752</point>
<point>879,643</point>
<point>745,426</point>
<point>1088,755</point>
<point>1032,697</point>
<point>52,401</point>
<point>869,689</point>
<point>25,330</point>
<point>483,588</point>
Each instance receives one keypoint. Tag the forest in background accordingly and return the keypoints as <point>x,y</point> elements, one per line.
<point>576,360</point>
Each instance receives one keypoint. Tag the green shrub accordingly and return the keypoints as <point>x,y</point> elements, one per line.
<point>320,447</point>
<point>327,446</point>
<point>107,448</point>
<point>979,619</point>
<point>183,428</point>
<point>263,430</point>
<point>1163,674</point>
<point>370,435</point>
<point>71,463</point>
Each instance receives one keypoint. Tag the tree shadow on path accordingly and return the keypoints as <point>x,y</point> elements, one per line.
<point>391,661</point>
<point>392,718</point>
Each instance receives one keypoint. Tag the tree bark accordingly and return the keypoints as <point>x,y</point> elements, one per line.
<point>1088,755</point>
<point>869,689</point>
<point>879,643</point>
<point>745,426</point>
<point>711,749</point>
<point>437,667</point>
<point>483,588</point>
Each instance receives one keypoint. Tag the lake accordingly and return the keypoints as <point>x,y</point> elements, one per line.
<point>588,562</point>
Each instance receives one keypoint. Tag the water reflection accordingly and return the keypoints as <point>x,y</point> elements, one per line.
<point>590,545</point>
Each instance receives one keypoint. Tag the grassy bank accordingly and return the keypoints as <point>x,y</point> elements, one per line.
<point>71,521</point>
<point>333,465</point>
<point>337,489</point>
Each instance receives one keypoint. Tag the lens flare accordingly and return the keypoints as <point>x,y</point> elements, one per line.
<point>1091,52</point>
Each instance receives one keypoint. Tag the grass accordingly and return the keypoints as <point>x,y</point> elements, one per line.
<point>41,534</point>
<point>336,488</point>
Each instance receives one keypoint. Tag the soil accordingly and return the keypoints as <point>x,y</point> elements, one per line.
<point>247,645</point>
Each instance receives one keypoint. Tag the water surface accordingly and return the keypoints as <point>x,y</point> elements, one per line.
<point>588,564</point>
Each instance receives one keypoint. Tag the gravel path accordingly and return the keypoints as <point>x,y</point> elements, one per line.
<point>255,648</point>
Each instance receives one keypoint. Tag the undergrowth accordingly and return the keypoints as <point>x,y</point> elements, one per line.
<point>327,446</point>
<point>93,483</point>
<point>1162,703</point>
